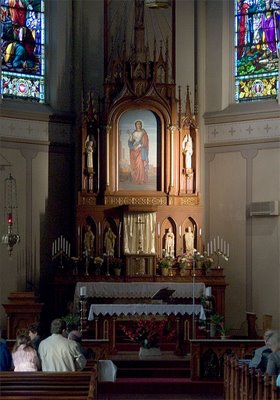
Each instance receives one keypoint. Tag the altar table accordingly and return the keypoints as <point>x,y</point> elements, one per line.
<point>106,315</point>
<point>137,290</point>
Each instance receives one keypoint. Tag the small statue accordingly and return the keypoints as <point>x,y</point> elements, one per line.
<point>88,241</point>
<point>169,243</point>
<point>89,152</point>
<point>109,242</point>
<point>189,240</point>
<point>187,149</point>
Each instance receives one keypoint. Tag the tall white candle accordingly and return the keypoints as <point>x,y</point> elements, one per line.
<point>222,245</point>
<point>214,244</point>
<point>158,229</point>
<point>63,246</point>
<point>218,243</point>
<point>207,249</point>
<point>211,247</point>
<point>225,247</point>
<point>228,250</point>
<point>180,230</point>
<point>69,249</point>
<point>58,244</point>
<point>83,291</point>
<point>53,249</point>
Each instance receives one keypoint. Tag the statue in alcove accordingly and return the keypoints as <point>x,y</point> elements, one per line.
<point>109,242</point>
<point>169,243</point>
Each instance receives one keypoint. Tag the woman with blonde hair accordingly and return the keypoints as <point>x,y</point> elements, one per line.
<point>24,355</point>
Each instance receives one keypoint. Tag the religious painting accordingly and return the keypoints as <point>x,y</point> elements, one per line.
<point>23,49</point>
<point>139,150</point>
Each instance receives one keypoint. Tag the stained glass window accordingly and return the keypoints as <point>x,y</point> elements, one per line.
<point>257,49</point>
<point>23,50</point>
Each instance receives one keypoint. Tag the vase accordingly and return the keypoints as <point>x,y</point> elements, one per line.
<point>164,271</point>
<point>151,352</point>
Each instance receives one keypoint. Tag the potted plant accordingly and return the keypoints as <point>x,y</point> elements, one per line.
<point>116,264</point>
<point>72,321</point>
<point>223,331</point>
<point>215,323</point>
<point>164,264</point>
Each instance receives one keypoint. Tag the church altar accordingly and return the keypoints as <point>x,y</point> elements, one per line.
<point>106,316</point>
<point>137,290</point>
<point>145,309</point>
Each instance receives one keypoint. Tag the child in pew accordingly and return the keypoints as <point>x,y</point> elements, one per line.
<point>24,356</point>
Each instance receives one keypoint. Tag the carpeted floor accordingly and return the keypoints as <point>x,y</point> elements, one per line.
<point>160,397</point>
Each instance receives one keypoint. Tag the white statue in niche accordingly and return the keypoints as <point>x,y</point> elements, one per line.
<point>187,148</point>
<point>169,243</point>
<point>189,240</point>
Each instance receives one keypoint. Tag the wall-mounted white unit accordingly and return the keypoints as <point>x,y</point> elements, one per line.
<point>264,208</point>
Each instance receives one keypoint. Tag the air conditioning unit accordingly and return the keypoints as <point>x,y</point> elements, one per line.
<point>264,208</point>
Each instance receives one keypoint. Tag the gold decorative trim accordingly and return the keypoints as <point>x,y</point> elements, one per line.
<point>131,200</point>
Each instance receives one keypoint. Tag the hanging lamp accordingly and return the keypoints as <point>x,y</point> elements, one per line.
<point>11,236</point>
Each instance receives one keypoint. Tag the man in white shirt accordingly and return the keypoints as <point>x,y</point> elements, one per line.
<point>57,353</point>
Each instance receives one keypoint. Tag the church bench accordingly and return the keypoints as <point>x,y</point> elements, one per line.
<point>244,383</point>
<point>48,385</point>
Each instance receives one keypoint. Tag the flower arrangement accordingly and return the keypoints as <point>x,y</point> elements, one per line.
<point>148,332</point>
<point>184,261</point>
<point>98,260</point>
<point>165,262</point>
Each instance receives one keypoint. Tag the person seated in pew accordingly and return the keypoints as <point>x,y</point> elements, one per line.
<point>24,355</point>
<point>273,363</point>
<point>259,361</point>
<point>57,353</point>
<point>34,334</point>
<point>77,337</point>
<point>5,356</point>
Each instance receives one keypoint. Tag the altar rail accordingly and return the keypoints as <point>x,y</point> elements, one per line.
<point>244,383</point>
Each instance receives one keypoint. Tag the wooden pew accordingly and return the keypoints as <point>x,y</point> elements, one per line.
<point>244,383</point>
<point>47,385</point>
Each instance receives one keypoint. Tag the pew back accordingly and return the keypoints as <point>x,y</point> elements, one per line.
<point>47,385</point>
<point>244,383</point>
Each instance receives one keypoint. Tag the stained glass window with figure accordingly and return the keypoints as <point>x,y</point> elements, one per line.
<point>23,50</point>
<point>257,35</point>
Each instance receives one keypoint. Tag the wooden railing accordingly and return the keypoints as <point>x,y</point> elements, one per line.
<point>244,383</point>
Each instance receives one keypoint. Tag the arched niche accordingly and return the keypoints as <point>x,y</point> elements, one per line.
<point>168,226</point>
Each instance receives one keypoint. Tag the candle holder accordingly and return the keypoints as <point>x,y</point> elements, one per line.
<point>61,249</point>
<point>219,248</point>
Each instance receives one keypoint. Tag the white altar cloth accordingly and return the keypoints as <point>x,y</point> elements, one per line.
<point>138,290</point>
<point>145,309</point>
